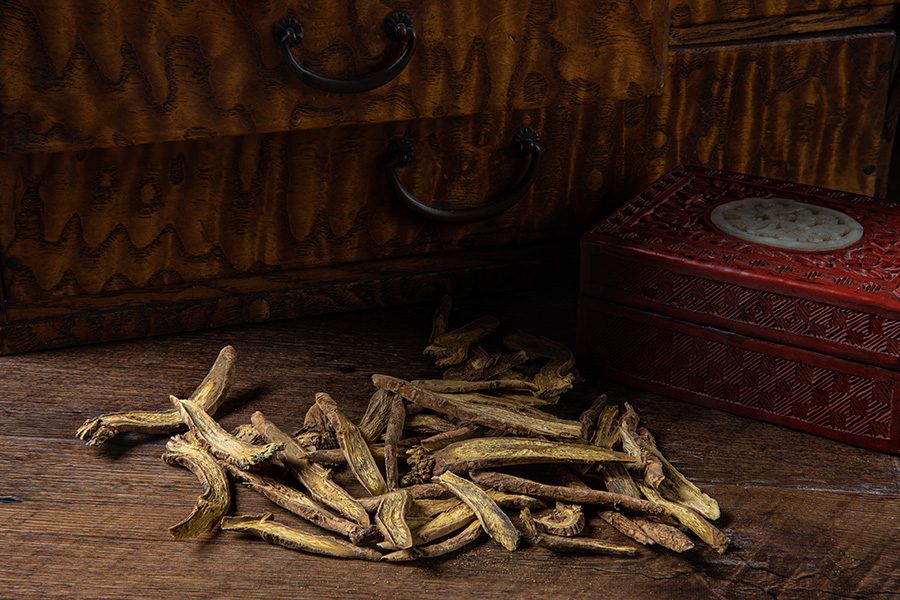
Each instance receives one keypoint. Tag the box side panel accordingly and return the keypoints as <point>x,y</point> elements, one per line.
<point>839,399</point>
<point>851,333</point>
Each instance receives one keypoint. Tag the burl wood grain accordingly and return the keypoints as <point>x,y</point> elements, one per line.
<point>94,241</point>
<point>88,74</point>
<point>694,12</point>
<point>806,110</point>
<point>809,518</point>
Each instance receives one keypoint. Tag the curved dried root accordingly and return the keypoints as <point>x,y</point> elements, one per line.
<point>215,500</point>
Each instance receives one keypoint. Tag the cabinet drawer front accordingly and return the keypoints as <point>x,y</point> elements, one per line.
<point>83,74</point>
<point>120,220</point>
<point>696,12</point>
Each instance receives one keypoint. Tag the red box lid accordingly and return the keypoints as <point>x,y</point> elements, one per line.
<point>662,252</point>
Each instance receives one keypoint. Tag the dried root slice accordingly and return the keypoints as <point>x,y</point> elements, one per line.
<point>391,519</point>
<point>520,485</point>
<point>301,505</point>
<point>215,500</point>
<point>248,433</point>
<point>468,535</point>
<point>589,417</point>
<point>374,421</point>
<point>606,430</point>
<point>558,375</point>
<point>677,487</point>
<point>427,507</point>
<point>479,453</point>
<point>221,443</point>
<point>453,386</point>
<point>641,448</point>
<point>626,526</point>
<point>426,423</point>
<point>570,544</point>
<point>354,445</point>
<point>565,520</point>
<point>493,415</point>
<point>315,478</point>
<point>392,435</point>
<point>482,366</point>
<point>209,395</point>
<point>617,479</point>
<point>335,456</point>
<point>687,517</point>
<point>440,321</point>
<point>665,535</point>
<point>451,348</point>
<point>493,520</point>
<point>275,533</point>
<point>457,516</point>
<point>442,440</point>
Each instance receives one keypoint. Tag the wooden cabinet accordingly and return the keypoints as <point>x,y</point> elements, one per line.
<point>163,168</point>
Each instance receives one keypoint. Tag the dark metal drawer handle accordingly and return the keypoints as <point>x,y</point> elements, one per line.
<point>397,25</point>
<point>401,153</point>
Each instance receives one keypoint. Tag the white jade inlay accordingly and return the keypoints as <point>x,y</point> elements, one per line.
<point>785,223</point>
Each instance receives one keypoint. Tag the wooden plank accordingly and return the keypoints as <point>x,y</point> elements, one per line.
<point>711,33</point>
<point>695,12</point>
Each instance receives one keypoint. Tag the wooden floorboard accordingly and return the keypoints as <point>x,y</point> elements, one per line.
<point>809,518</point>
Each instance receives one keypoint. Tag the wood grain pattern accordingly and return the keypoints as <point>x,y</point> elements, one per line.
<point>695,12</point>
<point>715,33</point>
<point>792,109</point>
<point>94,242</point>
<point>93,74</point>
<point>809,518</point>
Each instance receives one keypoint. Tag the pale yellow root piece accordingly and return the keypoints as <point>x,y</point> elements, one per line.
<point>215,500</point>
<point>275,533</point>
<point>690,519</point>
<point>209,395</point>
<point>354,445</point>
<point>494,521</point>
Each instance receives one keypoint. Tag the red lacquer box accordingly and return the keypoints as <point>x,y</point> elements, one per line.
<point>768,299</point>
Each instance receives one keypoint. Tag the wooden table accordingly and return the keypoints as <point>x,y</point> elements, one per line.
<point>809,518</point>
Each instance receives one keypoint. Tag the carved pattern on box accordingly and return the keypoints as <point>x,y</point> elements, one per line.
<point>760,308</point>
<point>828,398</point>
<point>669,218</point>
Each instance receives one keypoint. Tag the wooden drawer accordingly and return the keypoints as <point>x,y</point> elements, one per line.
<point>81,73</point>
<point>82,225</point>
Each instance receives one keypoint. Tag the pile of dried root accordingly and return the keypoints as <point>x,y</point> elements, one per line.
<point>464,433</point>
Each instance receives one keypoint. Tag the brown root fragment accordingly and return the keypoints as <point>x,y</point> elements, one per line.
<point>678,488</point>
<point>626,526</point>
<point>441,440</point>
<point>416,492</point>
<point>494,415</point>
<point>463,386</point>
<point>564,520</point>
<point>641,448</point>
<point>315,478</point>
<point>440,321</point>
<point>606,429</point>
<point>482,366</point>
<point>427,507</point>
<point>479,453</point>
<point>391,519</point>
<point>570,544</point>
<point>275,533</point>
<point>300,504</point>
<point>354,445</point>
<point>588,418</point>
<point>665,535</point>
<point>221,443</point>
<point>426,423</point>
<point>335,456</point>
<point>392,435</point>
<point>690,519</point>
<point>215,500</point>
<point>468,535</point>
<point>558,375</point>
<point>520,485</point>
<point>617,479</point>
<point>451,348</point>
<point>458,516</point>
<point>374,421</point>
<point>493,520</point>
<point>248,433</point>
<point>209,395</point>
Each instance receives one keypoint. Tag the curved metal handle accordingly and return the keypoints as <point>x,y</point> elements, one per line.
<point>398,26</point>
<point>401,152</point>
